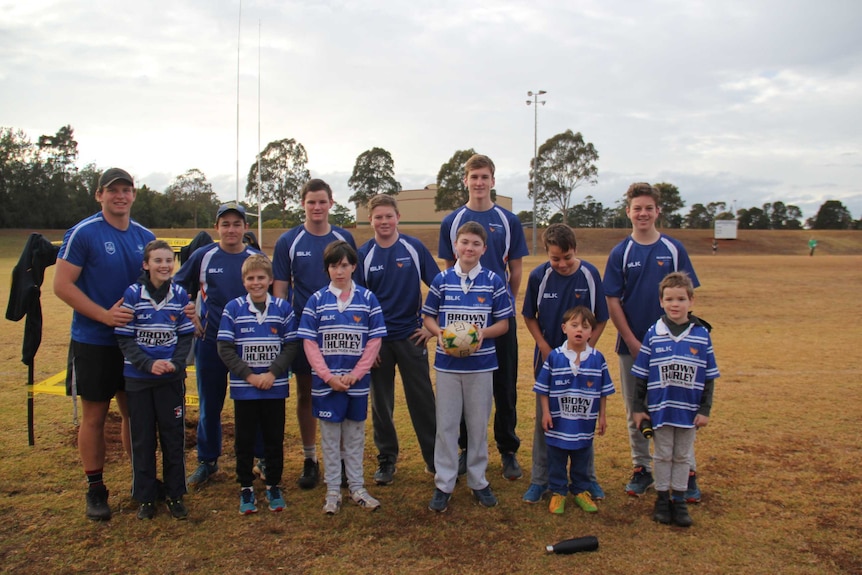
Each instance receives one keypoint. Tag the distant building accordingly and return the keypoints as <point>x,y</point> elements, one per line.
<point>417,208</point>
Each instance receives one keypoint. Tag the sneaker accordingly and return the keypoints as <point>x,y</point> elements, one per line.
<point>511,469</point>
<point>535,492</point>
<point>439,501</point>
<point>276,501</point>
<point>558,504</point>
<point>462,463</point>
<point>485,496</point>
<point>97,504</point>
<point>641,481</point>
<point>364,499</point>
<point>332,503</point>
<point>310,474</point>
<point>177,508</point>
<point>679,515</point>
<point>692,494</point>
<point>596,491</point>
<point>385,473</point>
<point>147,510</point>
<point>259,469</point>
<point>585,502</point>
<point>661,511</point>
<point>202,474</point>
<point>247,501</point>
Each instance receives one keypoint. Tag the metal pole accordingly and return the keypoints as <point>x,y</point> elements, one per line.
<point>535,102</point>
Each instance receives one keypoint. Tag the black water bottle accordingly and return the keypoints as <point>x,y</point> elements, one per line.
<point>576,545</point>
<point>646,428</point>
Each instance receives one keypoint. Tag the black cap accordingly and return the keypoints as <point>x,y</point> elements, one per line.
<point>230,207</point>
<point>112,175</point>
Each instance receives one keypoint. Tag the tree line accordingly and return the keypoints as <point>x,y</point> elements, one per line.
<point>41,186</point>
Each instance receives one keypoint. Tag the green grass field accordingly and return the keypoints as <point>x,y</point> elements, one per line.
<point>778,463</point>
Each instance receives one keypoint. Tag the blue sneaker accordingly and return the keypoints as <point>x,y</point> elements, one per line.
<point>596,491</point>
<point>247,501</point>
<point>276,501</point>
<point>692,494</point>
<point>439,501</point>
<point>485,496</point>
<point>202,474</point>
<point>641,481</point>
<point>535,493</point>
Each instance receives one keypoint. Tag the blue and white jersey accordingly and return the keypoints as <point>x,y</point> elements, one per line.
<point>395,275</point>
<point>341,333</point>
<point>155,326</point>
<point>219,275</point>
<point>110,261</point>
<point>298,260</point>
<point>549,295</point>
<point>675,368</point>
<point>574,395</point>
<point>485,302</point>
<point>633,273</point>
<point>506,239</point>
<point>259,337</point>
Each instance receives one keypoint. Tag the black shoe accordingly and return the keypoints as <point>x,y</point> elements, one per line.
<point>385,473</point>
<point>310,474</point>
<point>147,510</point>
<point>679,514</point>
<point>97,504</point>
<point>661,513</point>
<point>511,469</point>
<point>177,508</point>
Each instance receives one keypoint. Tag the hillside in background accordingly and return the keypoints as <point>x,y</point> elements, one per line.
<point>591,242</point>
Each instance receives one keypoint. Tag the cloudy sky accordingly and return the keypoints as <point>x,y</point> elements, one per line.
<point>739,101</point>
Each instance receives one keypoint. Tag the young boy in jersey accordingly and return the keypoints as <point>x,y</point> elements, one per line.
<point>635,268</point>
<point>674,374</point>
<point>156,344</point>
<point>572,388</point>
<point>394,266</point>
<point>560,284</point>
<point>257,342</point>
<point>215,271</point>
<point>342,326</point>
<point>298,274</point>
<point>506,248</point>
<point>465,387</point>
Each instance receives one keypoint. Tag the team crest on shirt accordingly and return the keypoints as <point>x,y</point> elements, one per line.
<point>590,383</point>
<point>577,296</point>
<point>273,330</point>
<point>660,263</point>
<point>173,317</point>
<point>399,264</point>
<point>693,350</point>
<point>110,248</point>
<point>357,318</point>
<point>480,299</point>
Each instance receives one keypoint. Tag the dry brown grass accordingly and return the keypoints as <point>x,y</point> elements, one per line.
<point>778,464</point>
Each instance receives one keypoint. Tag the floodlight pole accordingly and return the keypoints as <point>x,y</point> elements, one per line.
<point>535,102</point>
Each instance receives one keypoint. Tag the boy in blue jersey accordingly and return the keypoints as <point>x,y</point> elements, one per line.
<point>506,246</point>
<point>215,271</point>
<point>342,325</point>
<point>298,274</point>
<point>156,344</point>
<point>558,285</point>
<point>674,373</point>
<point>635,268</point>
<point>257,342</point>
<point>465,292</point>
<point>393,266</point>
<point>572,388</point>
<point>100,257</point>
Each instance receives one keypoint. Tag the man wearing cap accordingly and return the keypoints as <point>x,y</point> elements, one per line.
<point>215,271</point>
<point>100,257</point>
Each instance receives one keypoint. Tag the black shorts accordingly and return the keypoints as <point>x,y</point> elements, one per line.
<point>96,370</point>
<point>300,365</point>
